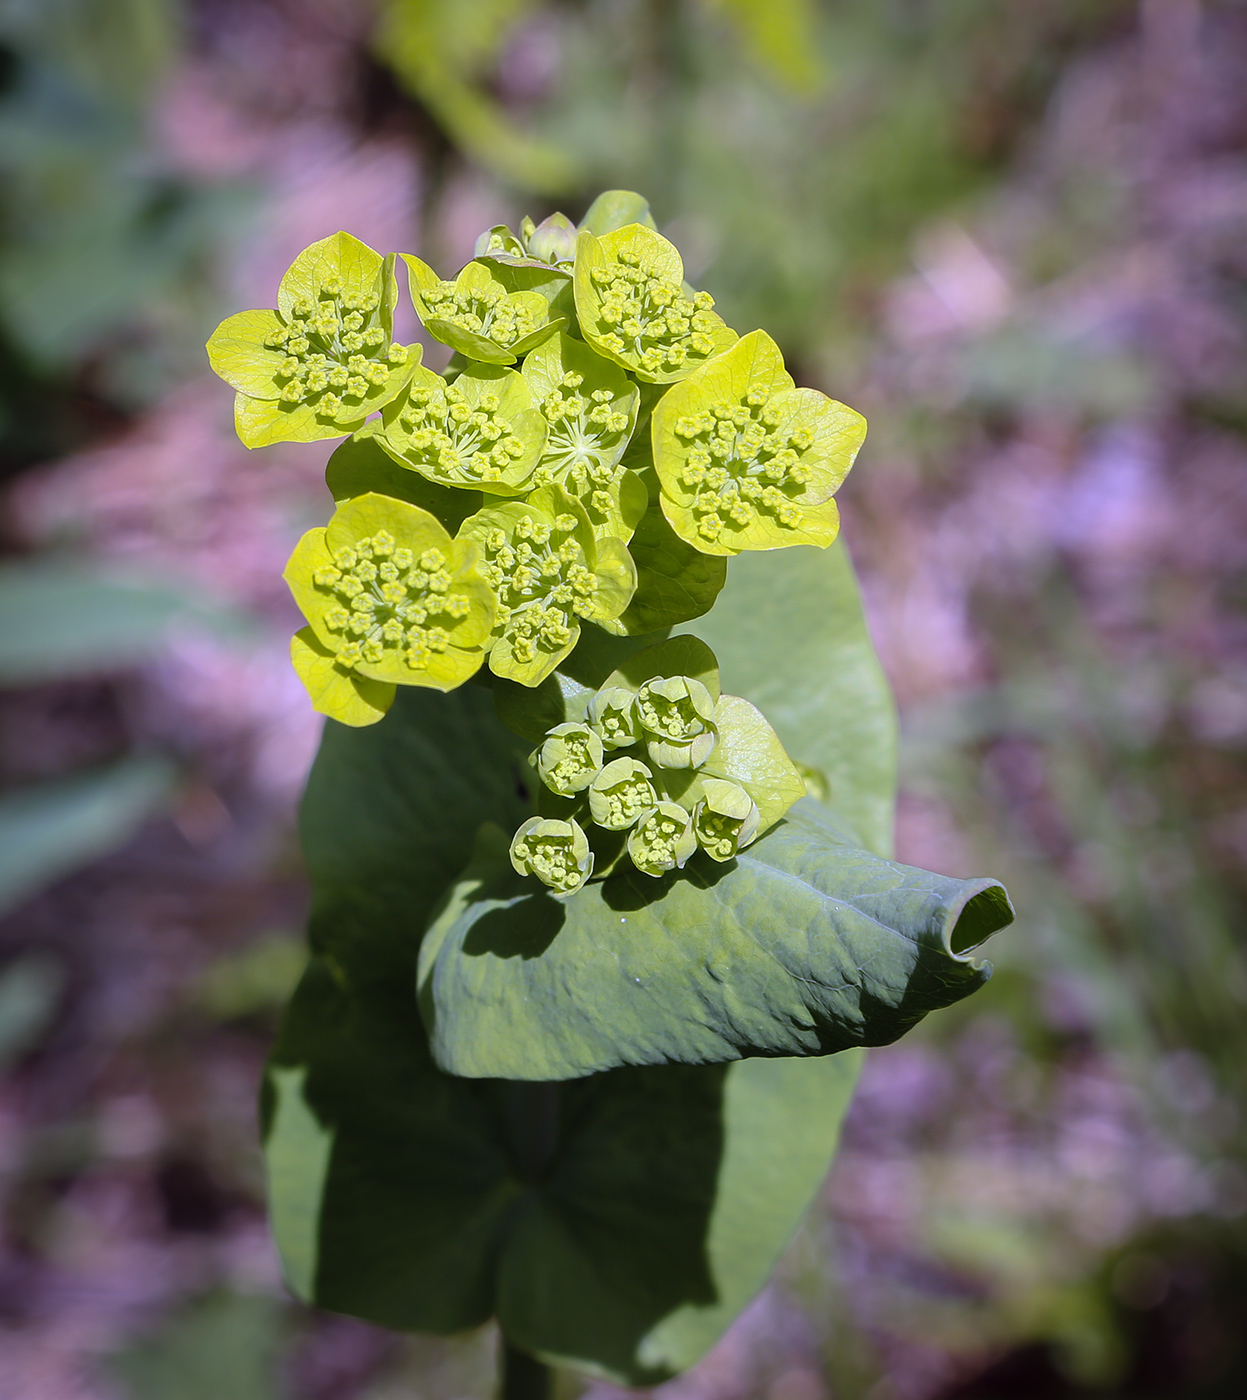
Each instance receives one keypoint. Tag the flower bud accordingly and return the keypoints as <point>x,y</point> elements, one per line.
<point>677,715</point>
<point>569,759</point>
<point>556,852</point>
<point>725,820</point>
<point>553,240</point>
<point>621,794</point>
<point>611,714</point>
<point>663,840</point>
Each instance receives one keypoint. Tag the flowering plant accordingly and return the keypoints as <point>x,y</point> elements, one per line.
<point>586,1013</point>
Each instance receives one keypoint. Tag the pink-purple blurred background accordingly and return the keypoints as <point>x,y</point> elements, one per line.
<point>1015,236</point>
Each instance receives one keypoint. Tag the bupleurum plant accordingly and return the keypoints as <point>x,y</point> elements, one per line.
<point>650,933</point>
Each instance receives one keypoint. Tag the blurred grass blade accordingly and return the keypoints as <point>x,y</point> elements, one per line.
<point>62,620</point>
<point>29,989</point>
<point>47,831</point>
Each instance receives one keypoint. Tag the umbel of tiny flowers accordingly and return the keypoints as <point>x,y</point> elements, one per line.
<point>632,308</point>
<point>676,716</point>
<point>483,432</point>
<point>477,315</point>
<point>569,758</point>
<point>555,851</point>
<point>746,460</point>
<point>590,408</point>
<point>325,359</point>
<point>714,775</point>
<point>390,600</point>
<point>550,574</point>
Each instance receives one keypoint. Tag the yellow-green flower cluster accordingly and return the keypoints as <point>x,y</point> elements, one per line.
<point>598,437</point>
<point>324,360</point>
<point>679,789</point>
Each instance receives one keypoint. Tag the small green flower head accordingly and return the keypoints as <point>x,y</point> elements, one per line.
<point>663,840</point>
<point>611,713</point>
<point>325,359</point>
<point>476,315</point>
<point>590,409</point>
<point>391,596</point>
<point>676,714</point>
<point>621,794</point>
<point>556,852</point>
<point>747,461</point>
<point>725,820</point>
<point>483,432</point>
<point>631,305</point>
<point>550,574</point>
<point>569,759</point>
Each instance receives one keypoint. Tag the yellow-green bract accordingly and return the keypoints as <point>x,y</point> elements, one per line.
<point>549,572</point>
<point>747,461</point>
<point>632,308</point>
<point>391,600</point>
<point>482,432</point>
<point>477,315</point>
<point>590,408</point>
<point>325,359</point>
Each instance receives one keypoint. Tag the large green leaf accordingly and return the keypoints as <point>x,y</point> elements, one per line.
<point>804,945</point>
<point>790,637</point>
<point>618,1222</point>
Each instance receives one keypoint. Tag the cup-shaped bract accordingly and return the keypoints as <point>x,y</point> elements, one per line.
<point>483,432</point>
<point>621,794</point>
<point>590,407</point>
<point>612,713</point>
<point>569,759</point>
<point>556,852</point>
<point>552,241</point>
<point>747,461</point>
<point>325,359</point>
<point>476,314</point>
<point>676,714</point>
<point>394,599</point>
<point>631,305</point>
<point>550,574</point>
<point>725,820</point>
<point>662,840</point>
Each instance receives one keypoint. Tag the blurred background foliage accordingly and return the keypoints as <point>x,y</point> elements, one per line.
<point>1014,235</point>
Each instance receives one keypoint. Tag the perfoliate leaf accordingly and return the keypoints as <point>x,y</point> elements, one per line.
<point>631,305</point>
<point>804,945</point>
<point>590,407</point>
<point>423,1202</point>
<point>789,633</point>
<point>325,359</point>
<point>391,597</point>
<point>747,461</point>
<point>748,752</point>
<point>549,573</point>
<point>481,432</point>
<point>476,314</point>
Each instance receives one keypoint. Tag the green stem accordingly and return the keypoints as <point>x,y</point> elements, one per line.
<point>523,1377</point>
